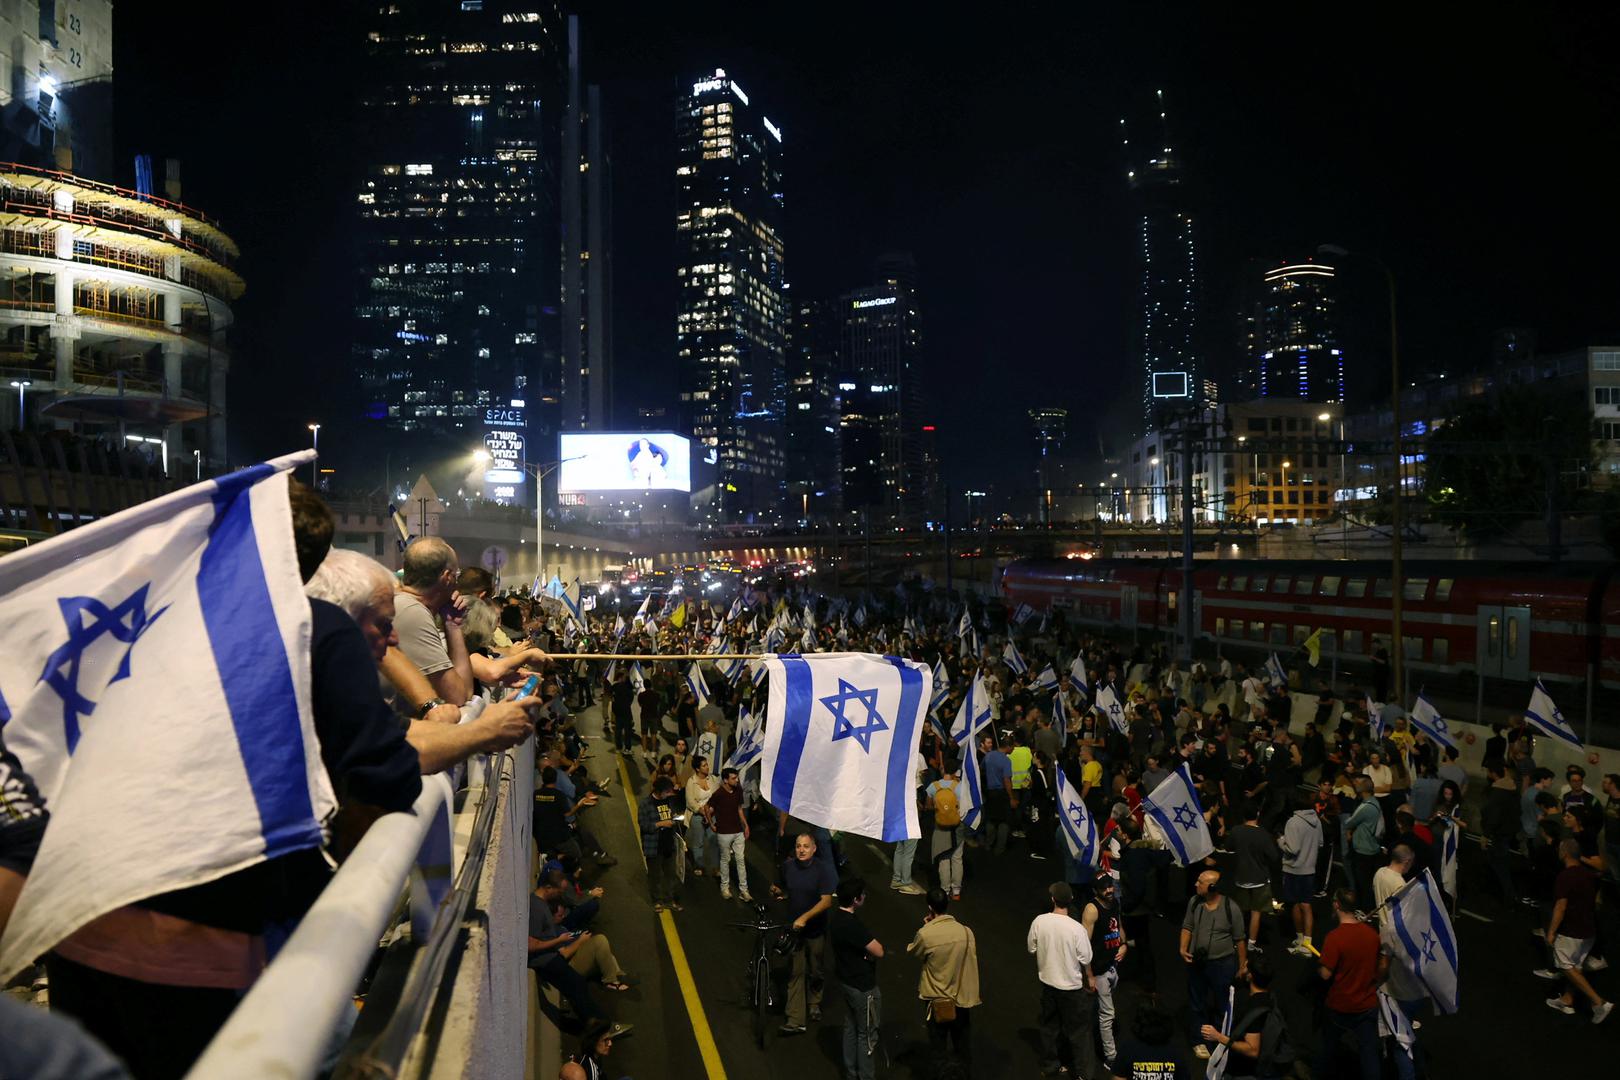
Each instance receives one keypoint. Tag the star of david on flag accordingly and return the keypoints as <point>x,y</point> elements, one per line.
<point>1047,679</point>
<point>1545,715</point>
<point>841,734</point>
<point>1108,704</point>
<point>162,651</point>
<point>1427,719</point>
<point>1174,807</point>
<point>942,685</point>
<point>1428,947</point>
<point>1079,826</point>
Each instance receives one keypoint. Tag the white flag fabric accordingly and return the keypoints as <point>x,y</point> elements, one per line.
<point>1221,1056</point>
<point>1275,672</point>
<point>1077,676</point>
<point>1079,826</point>
<point>970,801</point>
<point>1448,857</point>
<point>1426,718</point>
<point>942,685</point>
<point>641,612</point>
<point>618,626</point>
<point>1108,703</point>
<point>1375,717</point>
<point>1060,717</point>
<point>1175,807</point>
<point>964,626</point>
<point>973,713</point>
<point>1428,947</point>
<point>695,683</point>
<point>638,679</point>
<point>1047,679</point>
<point>841,736</point>
<point>1545,715</point>
<point>1393,1021</point>
<point>1014,661</point>
<point>750,742</point>
<point>155,682</point>
<point>1023,614</point>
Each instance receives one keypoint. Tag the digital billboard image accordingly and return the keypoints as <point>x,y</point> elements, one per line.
<point>632,461</point>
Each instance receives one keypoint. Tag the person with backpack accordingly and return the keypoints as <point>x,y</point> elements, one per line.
<point>1215,951</point>
<point>944,799</point>
<point>1259,1045</point>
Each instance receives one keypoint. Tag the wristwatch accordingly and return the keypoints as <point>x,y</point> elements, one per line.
<point>428,706</point>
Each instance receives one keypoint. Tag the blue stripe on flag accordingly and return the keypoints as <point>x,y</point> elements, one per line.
<point>1171,833</point>
<point>796,705</point>
<point>901,787</point>
<point>254,670</point>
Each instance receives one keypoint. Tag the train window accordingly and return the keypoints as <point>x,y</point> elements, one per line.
<point>1279,633</point>
<point>1442,588</point>
<point>1414,647</point>
<point>1240,583</point>
<point>1304,585</point>
<point>1415,588</point>
<point>1172,601</point>
<point>1440,650</point>
<point>1260,583</point>
<point>1381,587</point>
<point>1330,642</point>
<point>1493,636</point>
<point>1257,631</point>
<point>1237,628</point>
<point>1352,642</point>
<point>1280,585</point>
<point>1221,584</point>
<point>1220,626</point>
<point>1301,633</point>
<point>1355,588</point>
<point>1511,649</point>
<point>1330,587</point>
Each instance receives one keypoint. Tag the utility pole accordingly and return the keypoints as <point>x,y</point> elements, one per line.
<point>1187,537</point>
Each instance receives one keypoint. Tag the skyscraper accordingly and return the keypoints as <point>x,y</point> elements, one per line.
<point>732,318</point>
<point>882,357</point>
<point>1166,254</point>
<point>455,330</point>
<point>1298,353</point>
<point>587,267</point>
<point>1051,429</point>
<point>813,404</point>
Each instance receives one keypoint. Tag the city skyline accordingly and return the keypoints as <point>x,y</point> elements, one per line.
<point>1394,169</point>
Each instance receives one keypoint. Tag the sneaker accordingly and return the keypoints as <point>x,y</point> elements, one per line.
<point>895,885</point>
<point>1037,855</point>
<point>1595,963</point>
<point>1546,973</point>
<point>791,1029</point>
<point>698,870</point>
<point>815,1014</point>
<point>911,888</point>
<point>956,896</point>
<point>725,892</point>
<point>1601,1012</point>
<point>1017,834</point>
<point>1558,1003</point>
<point>744,897</point>
<point>1298,949</point>
<point>1201,1051</point>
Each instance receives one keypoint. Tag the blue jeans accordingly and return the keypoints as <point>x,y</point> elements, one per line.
<point>701,842</point>
<point>864,1009</point>
<point>1406,1068</point>
<point>905,853</point>
<point>1207,984</point>
<point>1364,1026</point>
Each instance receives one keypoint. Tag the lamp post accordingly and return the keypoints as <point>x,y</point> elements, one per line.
<point>1397,590</point>
<point>21,386</point>
<point>1285,484</point>
<point>315,444</point>
<point>540,472</point>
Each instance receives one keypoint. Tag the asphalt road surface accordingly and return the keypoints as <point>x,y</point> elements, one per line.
<point>1503,1022</point>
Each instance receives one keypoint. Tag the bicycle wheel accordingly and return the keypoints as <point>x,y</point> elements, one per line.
<point>762,1001</point>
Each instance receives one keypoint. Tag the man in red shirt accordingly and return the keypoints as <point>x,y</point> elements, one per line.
<point>730,825</point>
<point>1350,963</point>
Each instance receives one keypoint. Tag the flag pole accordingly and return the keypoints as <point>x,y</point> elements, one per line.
<point>664,656</point>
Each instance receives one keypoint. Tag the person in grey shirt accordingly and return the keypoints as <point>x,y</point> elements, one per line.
<point>1153,775</point>
<point>429,590</point>
<point>1451,770</point>
<point>1215,952</point>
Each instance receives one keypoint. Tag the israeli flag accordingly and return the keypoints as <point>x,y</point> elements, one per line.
<point>619,626</point>
<point>1175,808</point>
<point>841,734</point>
<point>964,626</point>
<point>1275,674</point>
<point>1015,662</point>
<point>760,672</point>
<point>1428,720</point>
<point>973,714</point>
<point>555,589</point>
<point>1545,715</point>
<point>1047,679</point>
<point>774,639</point>
<point>1375,717</point>
<point>1078,676</point>
<point>750,742</point>
<point>736,608</point>
<point>1392,1021</point>
<point>1448,857</point>
<point>641,612</point>
<point>1046,618</point>
<point>807,641</point>
<point>970,801</point>
<point>733,670</point>
<point>1221,1056</point>
<point>638,679</point>
<point>695,683</point>
<point>1060,717</point>
<point>860,615</point>
<point>1428,947</point>
<point>155,682</point>
<point>942,685</point>
<point>1023,614</point>
<point>1108,704</point>
<point>1079,826</point>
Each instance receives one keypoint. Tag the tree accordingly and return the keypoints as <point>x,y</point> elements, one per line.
<point>1500,459</point>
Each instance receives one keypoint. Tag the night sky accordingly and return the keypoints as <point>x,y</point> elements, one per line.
<point>1477,158</point>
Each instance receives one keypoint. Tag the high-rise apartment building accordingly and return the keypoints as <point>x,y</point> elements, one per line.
<point>587,267</point>
<point>1298,354</point>
<point>732,319</point>
<point>813,413</point>
<point>882,357</point>
<point>1166,255</point>
<point>455,329</point>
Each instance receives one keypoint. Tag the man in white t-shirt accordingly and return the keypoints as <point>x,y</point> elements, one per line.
<point>1062,952</point>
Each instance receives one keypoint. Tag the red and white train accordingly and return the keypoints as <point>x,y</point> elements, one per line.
<point>1509,621</point>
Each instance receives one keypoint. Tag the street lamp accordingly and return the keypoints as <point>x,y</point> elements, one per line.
<point>1285,484</point>
<point>315,444</point>
<point>21,386</point>
<point>539,472</point>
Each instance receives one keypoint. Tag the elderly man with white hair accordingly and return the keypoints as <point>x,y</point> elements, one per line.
<point>364,589</point>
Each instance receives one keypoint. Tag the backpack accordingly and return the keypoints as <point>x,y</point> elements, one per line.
<point>1277,1052</point>
<point>947,812</point>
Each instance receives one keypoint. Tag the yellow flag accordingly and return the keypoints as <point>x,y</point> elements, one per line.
<point>1313,646</point>
<point>677,618</point>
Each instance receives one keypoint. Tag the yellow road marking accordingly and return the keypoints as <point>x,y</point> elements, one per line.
<point>677,955</point>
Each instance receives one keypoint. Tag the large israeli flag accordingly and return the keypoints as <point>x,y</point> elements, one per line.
<point>1428,947</point>
<point>1078,677</point>
<point>695,683</point>
<point>970,801</point>
<point>1427,719</point>
<point>1079,826</point>
<point>1175,808</point>
<point>841,736</point>
<point>1108,704</point>
<point>973,713</point>
<point>1545,715</point>
<point>155,681</point>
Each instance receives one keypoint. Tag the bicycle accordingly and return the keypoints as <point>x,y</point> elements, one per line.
<point>768,935</point>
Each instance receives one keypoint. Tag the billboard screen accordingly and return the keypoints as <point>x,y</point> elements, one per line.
<point>632,461</point>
